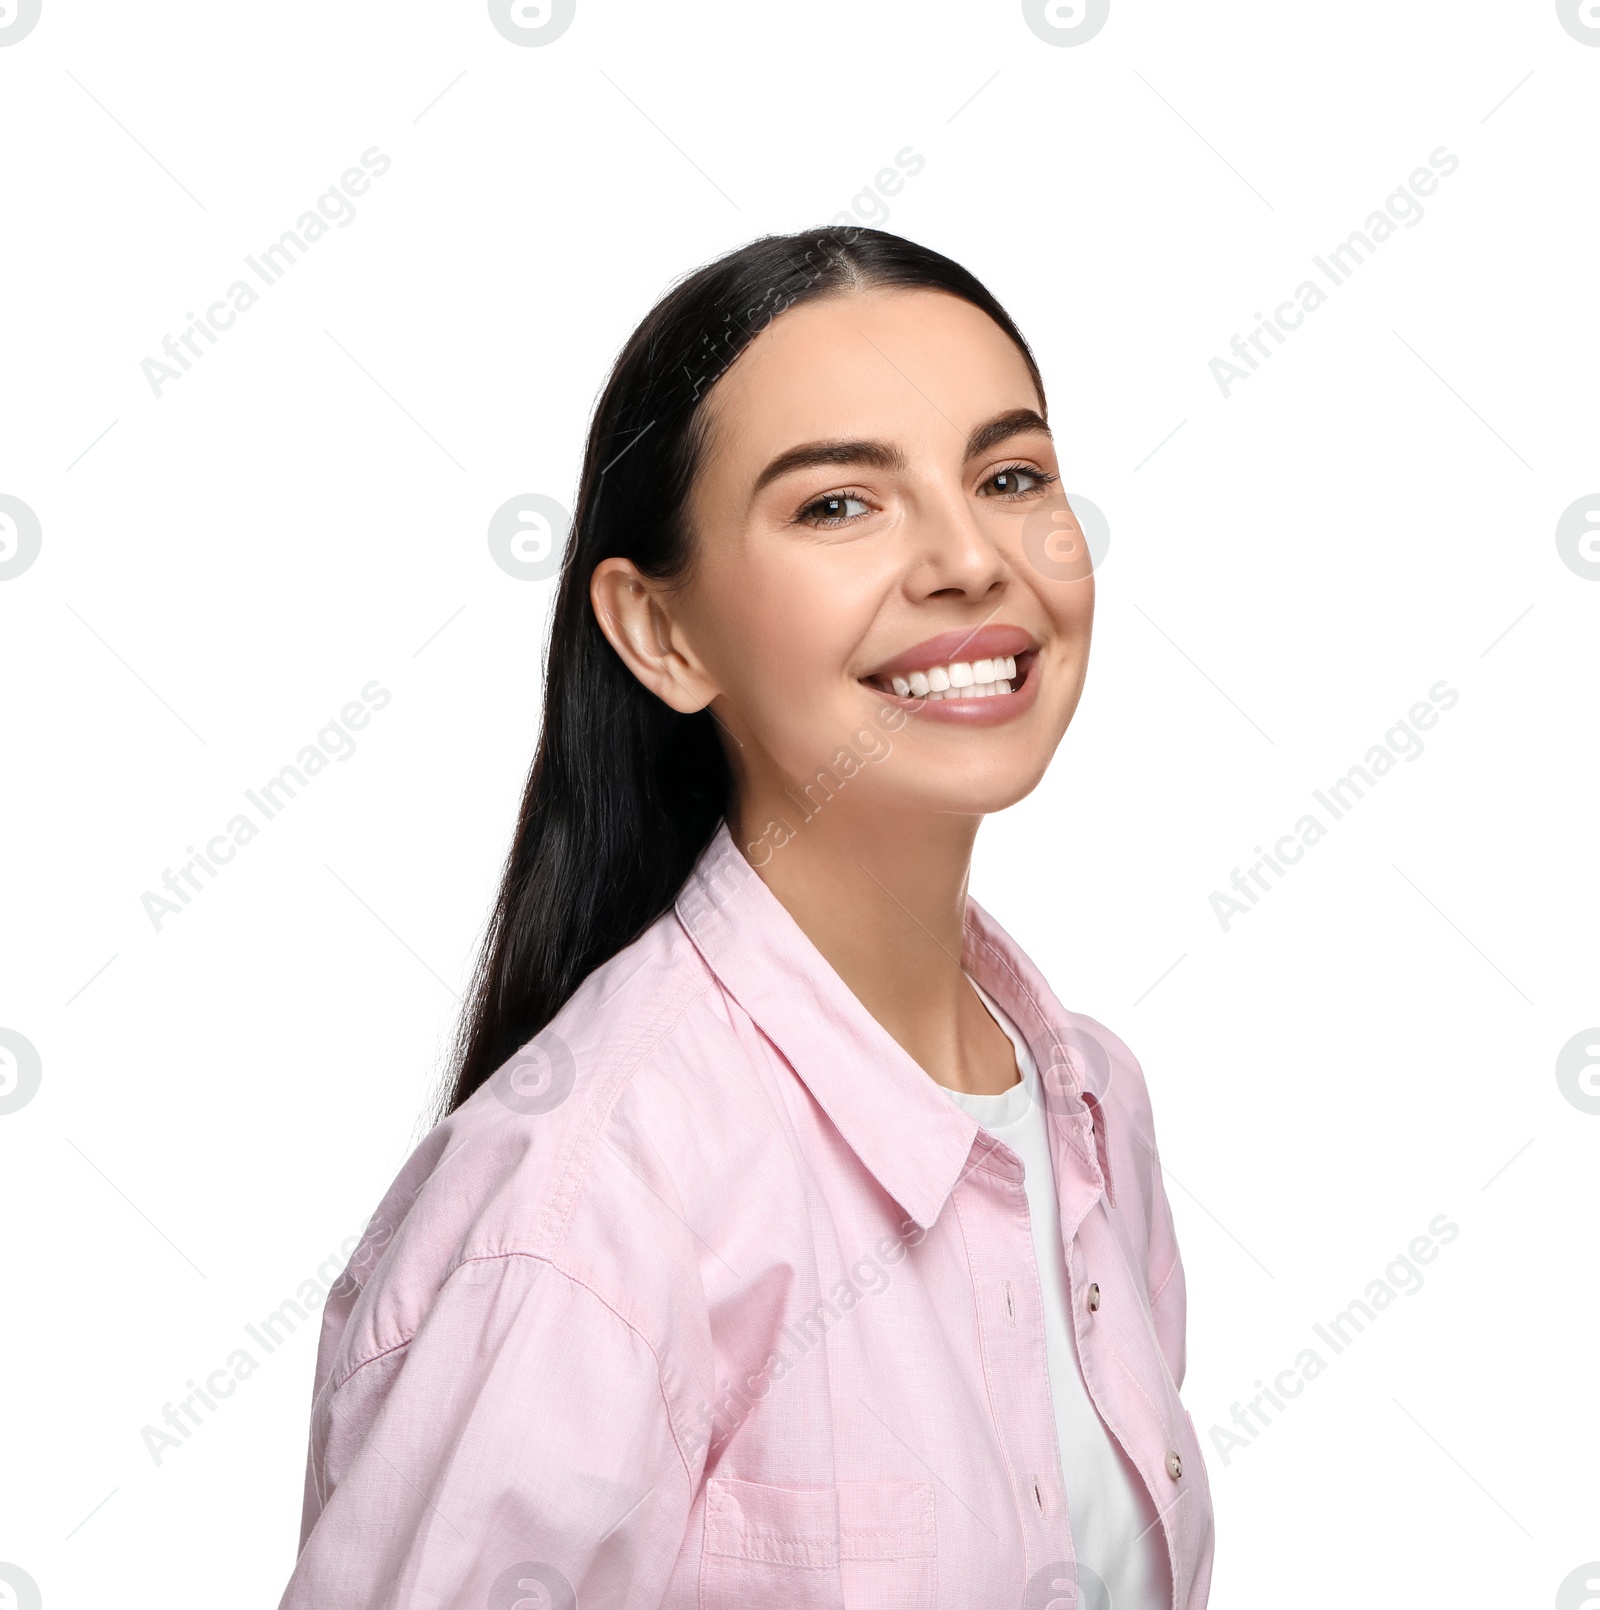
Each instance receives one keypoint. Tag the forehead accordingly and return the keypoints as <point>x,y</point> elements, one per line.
<point>912,366</point>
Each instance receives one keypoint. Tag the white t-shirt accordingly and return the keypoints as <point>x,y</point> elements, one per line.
<point>1115,1531</point>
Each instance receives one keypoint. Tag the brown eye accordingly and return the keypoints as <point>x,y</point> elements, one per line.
<point>1014,481</point>
<point>833,509</point>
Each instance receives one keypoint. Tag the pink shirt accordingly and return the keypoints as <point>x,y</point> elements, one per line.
<point>711,1298</point>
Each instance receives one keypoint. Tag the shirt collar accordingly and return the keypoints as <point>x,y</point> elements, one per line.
<point>914,1141</point>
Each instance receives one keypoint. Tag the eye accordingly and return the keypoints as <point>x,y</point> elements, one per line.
<point>1015,481</point>
<point>837,508</point>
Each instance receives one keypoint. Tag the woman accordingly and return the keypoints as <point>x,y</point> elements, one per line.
<point>785,1242</point>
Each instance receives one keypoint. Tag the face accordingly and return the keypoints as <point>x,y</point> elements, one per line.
<point>889,594</point>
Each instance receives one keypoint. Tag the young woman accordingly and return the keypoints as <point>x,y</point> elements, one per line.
<point>786,1242</point>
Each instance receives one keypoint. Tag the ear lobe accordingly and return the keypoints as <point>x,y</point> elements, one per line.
<point>633,613</point>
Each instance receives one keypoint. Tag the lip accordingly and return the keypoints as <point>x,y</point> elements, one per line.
<point>984,643</point>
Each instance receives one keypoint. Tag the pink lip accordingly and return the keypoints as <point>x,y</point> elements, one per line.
<point>984,643</point>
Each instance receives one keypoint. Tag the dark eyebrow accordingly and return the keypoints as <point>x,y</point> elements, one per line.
<point>876,455</point>
<point>1003,427</point>
<point>883,456</point>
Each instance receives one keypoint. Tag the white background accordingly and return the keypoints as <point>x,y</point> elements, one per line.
<point>1292,567</point>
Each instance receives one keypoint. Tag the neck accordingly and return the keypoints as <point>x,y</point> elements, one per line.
<point>883,898</point>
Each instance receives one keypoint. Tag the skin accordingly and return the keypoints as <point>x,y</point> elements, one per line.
<point>783,614</point>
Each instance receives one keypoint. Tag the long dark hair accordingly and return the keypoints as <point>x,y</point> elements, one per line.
<point>625,792</point>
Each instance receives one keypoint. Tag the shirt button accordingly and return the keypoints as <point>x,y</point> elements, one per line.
<point>1094,1297</point>
<point>1174,1466</point>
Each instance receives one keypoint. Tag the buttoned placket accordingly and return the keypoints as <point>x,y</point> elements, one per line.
<point>991,1196</point>
<point>1087,1241</point>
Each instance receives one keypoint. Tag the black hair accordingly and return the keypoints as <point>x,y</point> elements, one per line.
<point>625,792</point>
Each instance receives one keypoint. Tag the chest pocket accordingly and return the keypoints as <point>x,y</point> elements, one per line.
<point>868,1545</point>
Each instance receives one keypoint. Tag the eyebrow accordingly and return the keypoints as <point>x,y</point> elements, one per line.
<point>885,456</point>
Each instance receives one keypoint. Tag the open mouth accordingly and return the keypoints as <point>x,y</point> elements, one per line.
<point>994,678</point>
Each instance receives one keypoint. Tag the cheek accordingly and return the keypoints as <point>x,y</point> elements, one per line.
<point>778,638</point>
<point>1070,606</point>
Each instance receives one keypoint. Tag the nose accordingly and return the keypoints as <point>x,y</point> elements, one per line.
<point>952,554</point>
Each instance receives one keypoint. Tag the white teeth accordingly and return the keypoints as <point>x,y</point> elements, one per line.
<point>976,679</point>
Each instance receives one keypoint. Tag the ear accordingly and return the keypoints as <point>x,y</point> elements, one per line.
<point>634,611</point>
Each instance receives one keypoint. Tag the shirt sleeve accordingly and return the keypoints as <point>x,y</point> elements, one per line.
<point>520,1440</point>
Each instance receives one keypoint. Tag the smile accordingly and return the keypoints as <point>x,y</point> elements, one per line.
<point>961,679</point>
<point>965,677</point>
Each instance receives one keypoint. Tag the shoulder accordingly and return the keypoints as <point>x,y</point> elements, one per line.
<point>568,1154</point>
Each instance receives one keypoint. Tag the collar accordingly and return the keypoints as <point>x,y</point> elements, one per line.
<point>913,1141</point>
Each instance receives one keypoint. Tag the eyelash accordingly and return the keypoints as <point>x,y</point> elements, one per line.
<point>1041,478</point>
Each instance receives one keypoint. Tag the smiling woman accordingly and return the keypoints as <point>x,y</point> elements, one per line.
<point>783,1239</point>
